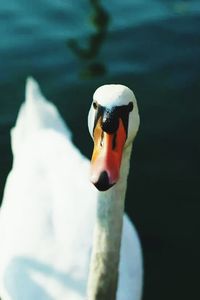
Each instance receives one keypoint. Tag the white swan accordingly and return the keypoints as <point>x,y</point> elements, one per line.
<point>49,208</point>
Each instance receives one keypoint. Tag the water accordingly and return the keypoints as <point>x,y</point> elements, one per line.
<point>72,47</point>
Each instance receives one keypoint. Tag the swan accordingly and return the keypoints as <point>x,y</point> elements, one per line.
<point>62,218</point>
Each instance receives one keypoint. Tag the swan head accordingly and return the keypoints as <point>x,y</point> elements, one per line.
<point>113,122</point>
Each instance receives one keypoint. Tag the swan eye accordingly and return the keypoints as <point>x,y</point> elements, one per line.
<point>130,106</point>
<point>95,105</point>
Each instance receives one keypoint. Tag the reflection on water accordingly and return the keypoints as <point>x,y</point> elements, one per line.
<point>99,20</point>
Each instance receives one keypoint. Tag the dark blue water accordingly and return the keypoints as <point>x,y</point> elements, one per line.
<point>72,47</point>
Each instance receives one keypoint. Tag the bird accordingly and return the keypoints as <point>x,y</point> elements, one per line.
<point>63,230</point>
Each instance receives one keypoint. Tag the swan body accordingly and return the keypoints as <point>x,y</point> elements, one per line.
<point>48,214</point>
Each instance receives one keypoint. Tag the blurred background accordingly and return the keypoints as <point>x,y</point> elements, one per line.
<point>72,47</point>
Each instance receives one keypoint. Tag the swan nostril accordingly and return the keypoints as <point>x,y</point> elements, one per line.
<point>103,183</point>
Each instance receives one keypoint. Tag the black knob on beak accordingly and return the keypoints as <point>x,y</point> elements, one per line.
<point>110,121</point>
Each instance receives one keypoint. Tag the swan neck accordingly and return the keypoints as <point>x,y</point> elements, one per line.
<point>103,273</point>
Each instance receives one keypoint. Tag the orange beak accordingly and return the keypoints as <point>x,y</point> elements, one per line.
<point>107,156</point>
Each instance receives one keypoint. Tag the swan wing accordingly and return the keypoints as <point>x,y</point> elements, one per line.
<point>48,208</point>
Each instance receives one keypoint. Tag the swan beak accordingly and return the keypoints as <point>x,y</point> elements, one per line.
<point>107,156</point>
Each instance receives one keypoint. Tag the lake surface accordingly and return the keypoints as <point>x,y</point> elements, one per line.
<point>72,47</point>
